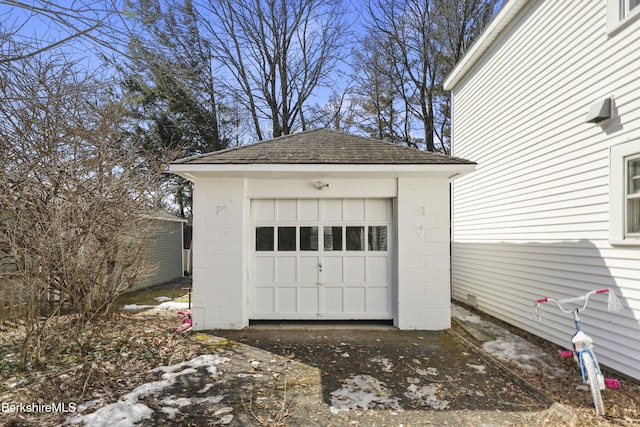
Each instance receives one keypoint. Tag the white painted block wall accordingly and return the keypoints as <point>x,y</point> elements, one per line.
<point>423,254</point>
<point>218,262</point>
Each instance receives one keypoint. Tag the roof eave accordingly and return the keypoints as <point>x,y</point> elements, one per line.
<point>193,171</point>
<point>502,20</point>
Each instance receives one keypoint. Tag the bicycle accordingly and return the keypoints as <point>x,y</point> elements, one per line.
<point>583,344</point>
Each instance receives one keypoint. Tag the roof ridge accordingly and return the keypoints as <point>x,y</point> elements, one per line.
<point>237,147</point>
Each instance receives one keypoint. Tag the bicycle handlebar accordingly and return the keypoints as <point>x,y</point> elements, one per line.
<point>584,300</point>
<point>613,302</point>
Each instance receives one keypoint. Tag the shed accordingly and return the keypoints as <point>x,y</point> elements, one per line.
<point>164,250</point>
<point>321,225</point>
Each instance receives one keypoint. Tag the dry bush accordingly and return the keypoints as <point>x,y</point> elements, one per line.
<point>74,199</point>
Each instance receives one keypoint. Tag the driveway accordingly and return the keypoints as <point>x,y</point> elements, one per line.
<point>331,375</point>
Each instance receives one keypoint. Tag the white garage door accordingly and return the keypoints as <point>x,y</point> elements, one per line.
<point>321,259</point>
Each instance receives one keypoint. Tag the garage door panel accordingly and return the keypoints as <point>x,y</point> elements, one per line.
<point>332,210</point>
<point>309,300</point>
<point>287,269</point>
<point>355,269</point>
<point>333,299</point>
<point>264,268</point>
<point>378,299</point>
<point>264,300</point>
<point>309,272</point>
<point>333,271</point>
<point>378,269</point>
<point>287,299</point>
<point>356,300</point>
<point>309,210</point>
<point>287,210</point>
<point>377,210</point>
<point>354,210</point>
<point>264,210</point>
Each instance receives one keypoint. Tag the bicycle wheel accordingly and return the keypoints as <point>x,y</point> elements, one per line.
<point>592,379</point>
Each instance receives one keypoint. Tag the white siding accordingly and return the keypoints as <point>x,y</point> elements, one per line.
<point>533,220</point>
<point>165,253</point>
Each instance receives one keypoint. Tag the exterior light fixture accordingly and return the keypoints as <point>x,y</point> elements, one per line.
<point>321,185</point>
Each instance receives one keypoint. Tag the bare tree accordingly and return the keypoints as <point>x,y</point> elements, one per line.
<point>427,38</point>
<point>275,53</point>
<point>383,110</point>
<point>171,90</point>
<point>33,27</point>
<point>74,204</point>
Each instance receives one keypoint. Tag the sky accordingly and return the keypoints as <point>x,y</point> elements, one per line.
<point>58,21</point>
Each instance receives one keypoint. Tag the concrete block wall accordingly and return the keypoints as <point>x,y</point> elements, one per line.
<point>423,293</point>
<point>218,261</point>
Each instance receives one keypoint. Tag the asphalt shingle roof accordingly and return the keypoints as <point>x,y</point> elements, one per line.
<point>322,146</point>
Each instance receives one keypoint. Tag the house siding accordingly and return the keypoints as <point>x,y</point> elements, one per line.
<point>533,220</point>
<point>164,254</point>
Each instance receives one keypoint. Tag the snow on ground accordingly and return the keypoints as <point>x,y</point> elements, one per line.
<point>387,365</point>
<point>511,348</point>
<point>135,307</point>
<point>129,411</point>
<point>172,305</point>
<point>166,303</point>
<point>363,392</point>
<point>428,395</point>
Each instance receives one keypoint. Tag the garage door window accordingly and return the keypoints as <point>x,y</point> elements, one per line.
<point>332,238</point>
<point>286,238</point>
<point>378,238</point>
<point>308,238</point>
<point>355,238</point>
<point>264,238</point>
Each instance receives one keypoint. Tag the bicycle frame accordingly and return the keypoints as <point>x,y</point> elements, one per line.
<point>583,343</point>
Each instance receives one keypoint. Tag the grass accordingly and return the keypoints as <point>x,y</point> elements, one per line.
<point>148,296</point>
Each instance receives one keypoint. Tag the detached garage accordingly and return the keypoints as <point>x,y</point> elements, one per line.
<point>321,225</point>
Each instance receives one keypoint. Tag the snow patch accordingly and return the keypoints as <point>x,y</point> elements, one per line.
<point>128,411</point>
<point>135,307</point>
<point>481,369</point>
<point>511,348</point>
<point>363,392</point>
<point>387,365</point>
<point>428,395</point>
<point>172,305</point>
<point>162,299</point>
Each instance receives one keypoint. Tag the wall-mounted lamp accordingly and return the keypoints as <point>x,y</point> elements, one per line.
<point>321,185</point>
<point>599,111</point>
